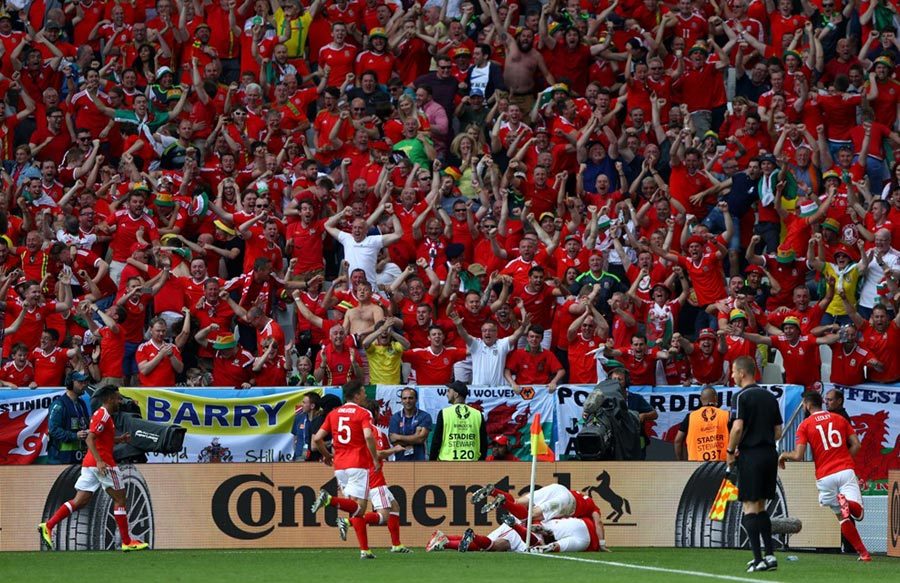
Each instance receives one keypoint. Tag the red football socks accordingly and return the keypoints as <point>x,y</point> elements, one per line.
<point>372,518</point>
<point>64,511</point>
<point>518,510</point>
<point>359,525</point>
<point>480,543</point>
<point>453,542</point>
<point>394,528</point>
<point>122,520</point>
<point>345,504</point>
<point>848,529</point>
<point>856,509</point>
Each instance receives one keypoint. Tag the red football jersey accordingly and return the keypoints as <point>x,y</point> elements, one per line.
<point>376,479</point>
<point>827,435</point>
<point>584,506</point>
<point>346,425</point>
<point>104,430</point>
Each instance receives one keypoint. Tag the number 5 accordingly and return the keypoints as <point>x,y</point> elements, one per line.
<point>344,430</point>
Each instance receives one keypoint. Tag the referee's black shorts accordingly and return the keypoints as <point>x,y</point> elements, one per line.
<point>757,474</point>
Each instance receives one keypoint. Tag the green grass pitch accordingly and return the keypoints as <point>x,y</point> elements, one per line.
<point>344,566</point>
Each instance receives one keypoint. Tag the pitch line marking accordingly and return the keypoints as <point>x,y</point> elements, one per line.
<point>655,569</point>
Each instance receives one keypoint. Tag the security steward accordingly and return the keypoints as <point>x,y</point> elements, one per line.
<point>755,432</point>
<point>460,433</point>
<point>703,434</point>
<point>68,422</point>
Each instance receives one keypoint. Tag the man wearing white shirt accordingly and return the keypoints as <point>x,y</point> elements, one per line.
<point>361,250</point>
<point>488,354</point>
<point>882,259</point>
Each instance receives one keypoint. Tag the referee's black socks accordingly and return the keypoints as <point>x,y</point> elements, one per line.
<point>751,524</point>
<point>764,523</point>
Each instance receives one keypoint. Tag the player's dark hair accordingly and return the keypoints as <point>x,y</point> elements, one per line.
<point>105,393</point>
<point>814,398</point>
<point>351,389</point>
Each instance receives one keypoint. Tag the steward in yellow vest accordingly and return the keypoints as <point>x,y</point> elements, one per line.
<point>460,433</point>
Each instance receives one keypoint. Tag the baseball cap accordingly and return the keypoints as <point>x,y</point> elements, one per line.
<point>706,333</point>
<point>80,376</point>
<point>502,440</point>
<point>162,71</point>
<point>476,92</point>
<point>754,269</point>
<point>460,387</point>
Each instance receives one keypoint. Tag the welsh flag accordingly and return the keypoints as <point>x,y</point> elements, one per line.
<point>539,449</point>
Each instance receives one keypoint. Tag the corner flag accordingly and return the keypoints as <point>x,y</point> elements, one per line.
<point>539,449</point>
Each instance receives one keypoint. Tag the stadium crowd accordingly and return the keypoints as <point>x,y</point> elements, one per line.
<point>254,193</point>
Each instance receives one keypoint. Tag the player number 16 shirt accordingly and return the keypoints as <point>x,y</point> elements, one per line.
<point>827,435</point>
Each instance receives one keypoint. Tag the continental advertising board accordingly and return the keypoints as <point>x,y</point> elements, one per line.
<point>265,505</point>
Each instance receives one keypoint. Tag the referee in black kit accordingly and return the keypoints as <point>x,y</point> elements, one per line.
<point>754,435</point>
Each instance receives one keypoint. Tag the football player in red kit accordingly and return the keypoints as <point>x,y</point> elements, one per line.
<point>829,435</point>
<point>355,454</point>
<point>99,470</point>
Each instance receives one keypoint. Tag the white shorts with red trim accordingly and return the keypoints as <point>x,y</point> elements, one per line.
<point>381,497</point>
<point>843,482</point>
<point>91,480</point>
<point>354,482</point>
<point>555,501</point>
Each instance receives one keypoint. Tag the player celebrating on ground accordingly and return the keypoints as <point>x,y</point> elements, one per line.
<point>353,430</point>
<point>383,503</point>
<point>99,469</point>
<point>828,434</point>
<point>552,536</point>
<point>553,501</point>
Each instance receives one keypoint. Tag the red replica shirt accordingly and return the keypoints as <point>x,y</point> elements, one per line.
<point>21,377</point>
<point>797,358</point>
<point>707,369</point>
<point>49,367</point>
<point>532,368</point>
<point>433,368</point>
<point>232,371</point>
<point>30,331</point>
<point>583,366</point>
<point>126,233</point>
<point>339,59</point>
<point>338,364</point>
<point>847,368</point>
<point>308,244</point>
<point>104,431</point>
<point>540,305</point>
<point>827,435</point>
<point>706,276</point>
<point>272,373</point>
<point>346,424</point>
<point>161,376</point>
<point>112,352</point>
<point>884,346</point>
<point>643,370</point>
<point>684,185</point>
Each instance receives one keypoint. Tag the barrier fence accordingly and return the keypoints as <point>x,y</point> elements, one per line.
<point>254,425</point>
<point>267,505</point>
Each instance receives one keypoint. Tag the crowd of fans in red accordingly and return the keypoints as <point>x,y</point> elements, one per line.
<point>666,185</point>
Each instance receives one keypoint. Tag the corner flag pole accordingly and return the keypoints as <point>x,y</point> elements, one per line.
<point>530,502</point>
